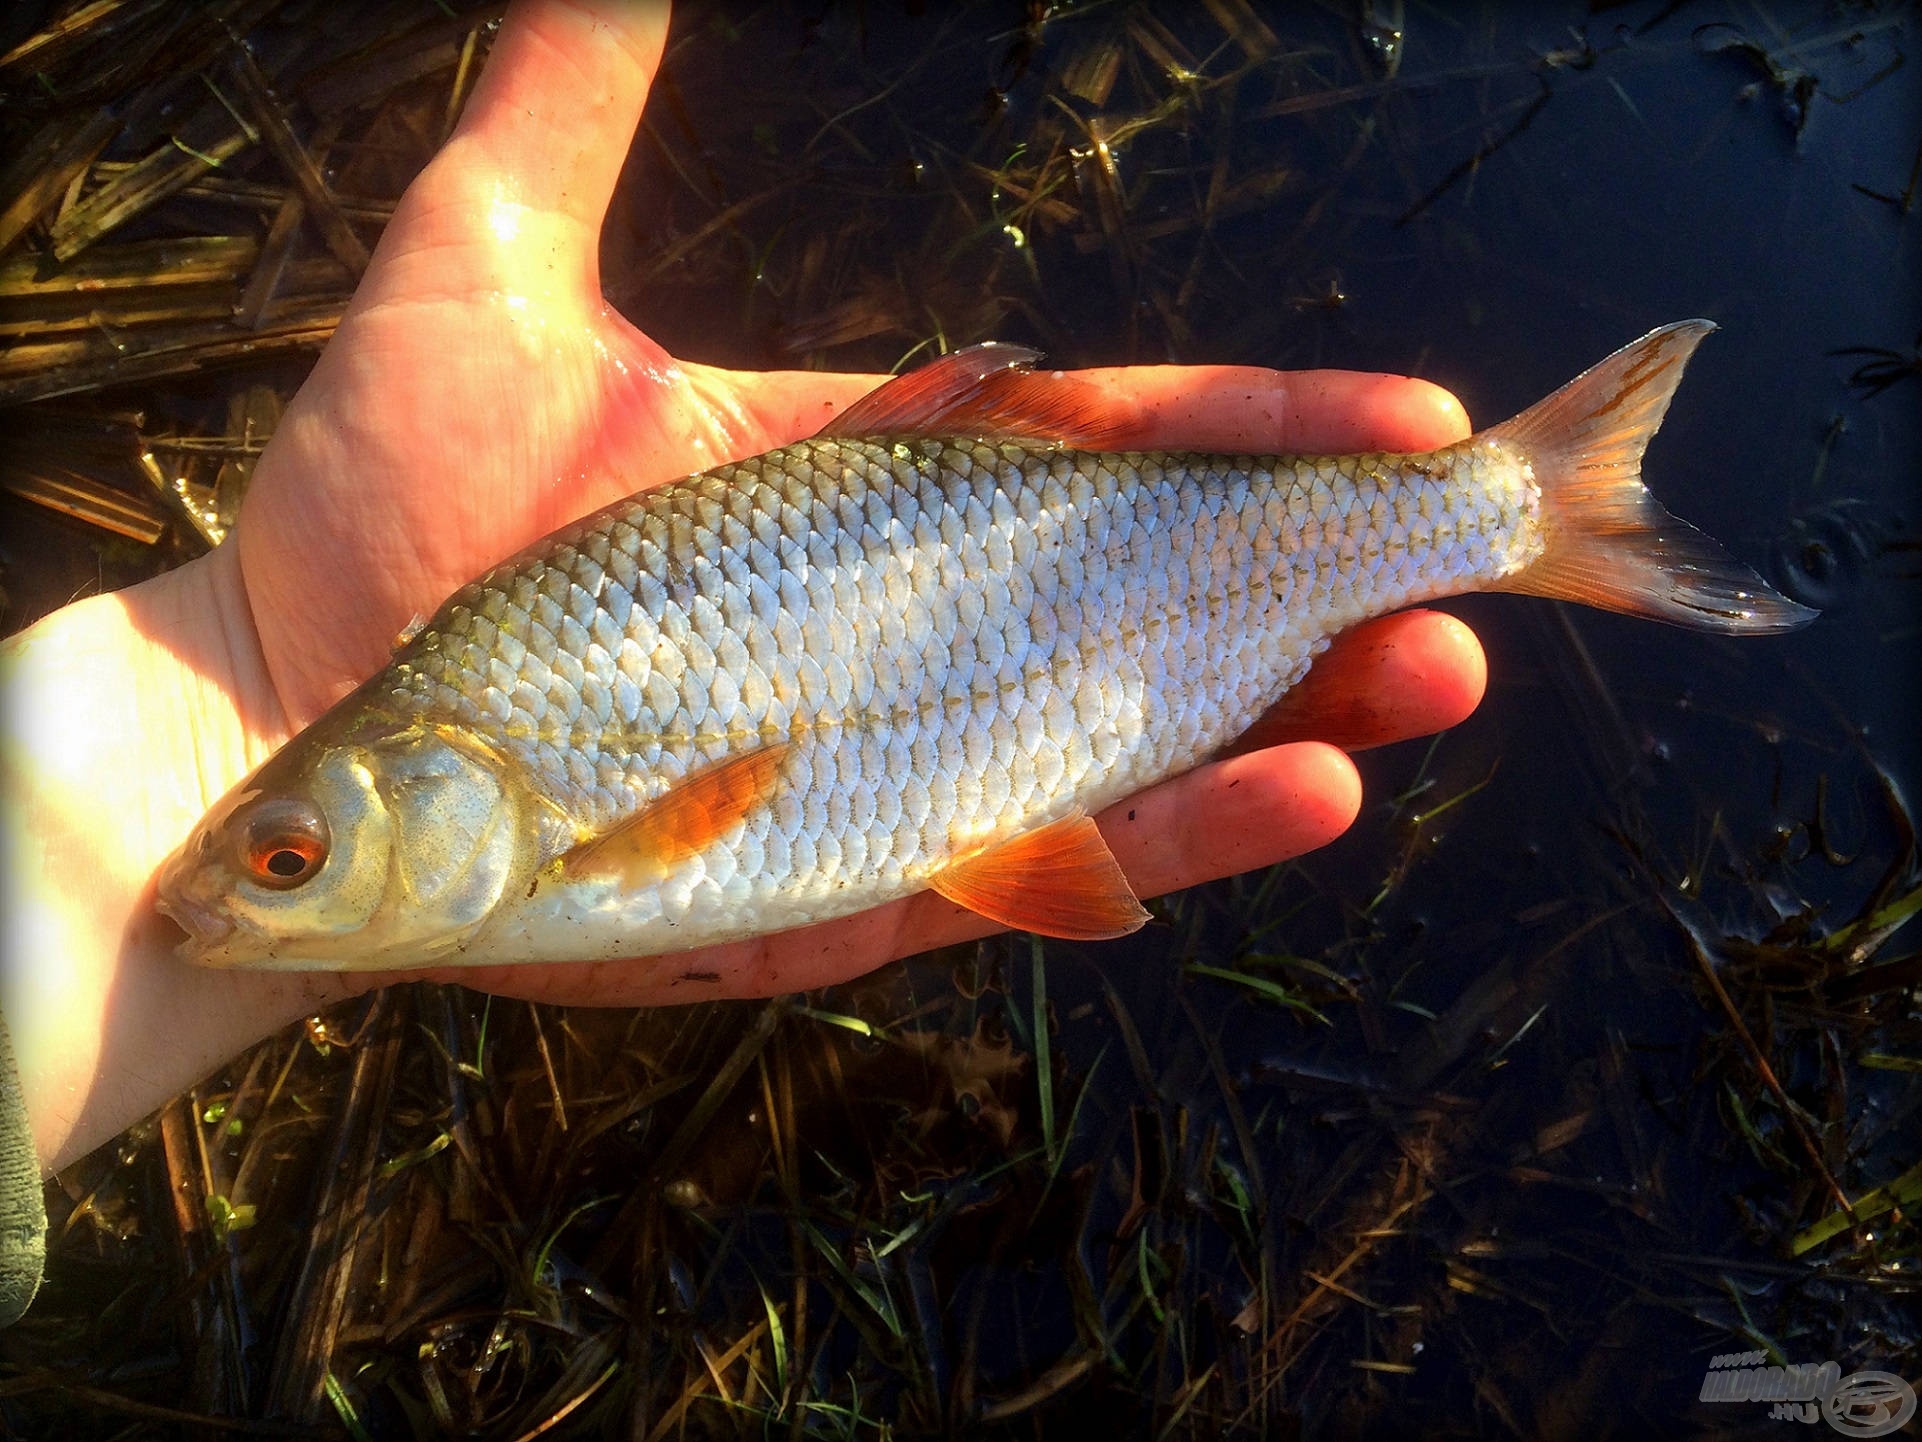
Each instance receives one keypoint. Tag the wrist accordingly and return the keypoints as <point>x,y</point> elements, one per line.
<point>124,716</point>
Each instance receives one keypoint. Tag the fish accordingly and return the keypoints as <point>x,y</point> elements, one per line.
<point>915,651</point>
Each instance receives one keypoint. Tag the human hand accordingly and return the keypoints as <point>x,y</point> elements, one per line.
<point>478,394</point>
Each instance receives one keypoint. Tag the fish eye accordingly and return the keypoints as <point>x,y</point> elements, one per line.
<point>283,842</point>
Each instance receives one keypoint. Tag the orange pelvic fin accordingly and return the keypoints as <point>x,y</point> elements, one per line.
<point>1609,543</point>
<point>990,392</point>
<point>690,816</point>
<point>1060,880</point>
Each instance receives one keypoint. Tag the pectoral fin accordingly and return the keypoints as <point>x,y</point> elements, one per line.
<point>1060,880</point>
<point>681,822</point>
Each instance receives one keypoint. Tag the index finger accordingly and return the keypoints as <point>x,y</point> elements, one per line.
<point>1228,408</point>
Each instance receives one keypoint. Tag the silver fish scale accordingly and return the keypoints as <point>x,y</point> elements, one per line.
<point>961,641</point>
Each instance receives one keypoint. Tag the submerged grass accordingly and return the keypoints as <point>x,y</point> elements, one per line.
<point>1373,1141</point>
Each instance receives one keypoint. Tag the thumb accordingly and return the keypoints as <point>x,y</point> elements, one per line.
<point>531,167</point>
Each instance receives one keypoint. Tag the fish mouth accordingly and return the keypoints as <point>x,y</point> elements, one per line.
<point>205,927</point>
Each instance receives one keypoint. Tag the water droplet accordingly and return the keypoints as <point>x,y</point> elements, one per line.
<point>1828,553</point>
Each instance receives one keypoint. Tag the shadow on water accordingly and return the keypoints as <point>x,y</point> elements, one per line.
<point>1557,1078</point>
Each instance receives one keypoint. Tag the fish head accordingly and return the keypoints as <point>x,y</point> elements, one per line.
<point>354,848</point>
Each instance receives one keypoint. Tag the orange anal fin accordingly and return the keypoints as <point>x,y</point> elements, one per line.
<point>990,392</point>
<point>1060,880</point>
<point>688,818</point>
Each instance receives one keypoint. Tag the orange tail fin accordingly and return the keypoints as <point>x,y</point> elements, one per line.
<point>1609,543</point>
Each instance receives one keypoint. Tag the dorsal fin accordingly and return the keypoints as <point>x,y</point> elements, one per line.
<point>683,821</point>
<point>1059,880</point>
<point>990,392</point>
